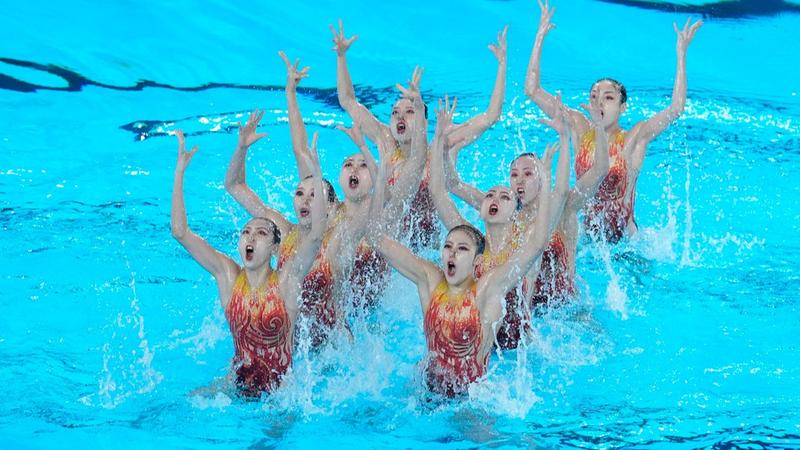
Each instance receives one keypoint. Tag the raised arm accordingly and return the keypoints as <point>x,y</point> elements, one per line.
<point>236,184</point>
<point>299,265</point>
<point>561,192</point>
<point>469,131</point>
<point>654,126</point>
<point>586,186</point>
<point>448,212</point>
<point>347,95</point>
<point>296,126</point>
<point>533,86</point>
<point>411,170</point>
<point>383,223</point>
<point>217,264</point>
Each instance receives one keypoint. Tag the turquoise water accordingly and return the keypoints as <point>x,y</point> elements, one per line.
<point>686,336</point>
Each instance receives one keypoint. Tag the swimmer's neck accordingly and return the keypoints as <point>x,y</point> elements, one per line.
<point>354,206</point>
<point>460,288</point>
<point>613,129</point>
<point>497,235</point>
<point>528,212</point>
<point>257,276</point>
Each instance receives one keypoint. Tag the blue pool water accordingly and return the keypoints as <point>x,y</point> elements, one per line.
<point>108,329</point>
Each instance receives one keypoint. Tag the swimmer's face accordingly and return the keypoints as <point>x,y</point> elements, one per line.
<point>499,205</point>
<point>303,196</point>
<point>402,120</point>
<point>458,257</point>
<point>256,243</point>
<point>525,179</point>
<point>354,177</point>
<point>606,96</point>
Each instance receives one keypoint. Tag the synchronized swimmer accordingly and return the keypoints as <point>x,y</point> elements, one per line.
<point>337,257</point>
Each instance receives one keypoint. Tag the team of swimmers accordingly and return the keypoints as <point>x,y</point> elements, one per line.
<point>484,291</point>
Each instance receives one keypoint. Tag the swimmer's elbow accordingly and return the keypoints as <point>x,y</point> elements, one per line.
<point>233,186</point>
<point>530,91</point>
<point>178,232</point>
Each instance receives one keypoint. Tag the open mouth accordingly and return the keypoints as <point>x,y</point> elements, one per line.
<point>353,183</point>
<point>451,268</point>
<point>248,252</point>
<point>401,127</point>
<point>493,209</point>
<point>304,212</point>
<point>520,191</point>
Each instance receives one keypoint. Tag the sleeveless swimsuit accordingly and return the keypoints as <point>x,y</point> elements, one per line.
<point>509,331</point>
<point>420,221</point>
<point>454,335</point>
<point>607,215</point>
<point>260,327</point>
<point>554,282</point>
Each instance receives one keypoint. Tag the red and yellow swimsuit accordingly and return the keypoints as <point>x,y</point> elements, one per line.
<point>611,210</point>
<point>554,282</point>
<point>420,222</point>
<point>316,298</point>
<point>517,316</point>
<point>261,335</point>
<point>454,335</point>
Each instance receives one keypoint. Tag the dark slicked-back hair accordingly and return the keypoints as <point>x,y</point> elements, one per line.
<point>623,93</point>
<point>330,196</point>
<point>474,233</point>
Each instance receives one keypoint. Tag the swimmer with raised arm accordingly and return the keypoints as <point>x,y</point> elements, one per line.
<point>609,215</point>
<point>499,210</point>
<point>324,286</point>
<point>259,302</point>
<point>420,222</point>
<point>367,270</point>
<point>459,311</point>
<point>554,279</point>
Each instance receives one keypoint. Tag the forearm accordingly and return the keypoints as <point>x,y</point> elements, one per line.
<point>441,199</point>
<point>236,168</point>
<point>297,130</point>
<point>679,88</point>
<point>178,221</point>
<point>498,94</point>
<point>372,165</point>
<point>469,131</point>
<point>344,86</point>
<point>533,77</point>
<point>466,192</point>
<point>533,87</point>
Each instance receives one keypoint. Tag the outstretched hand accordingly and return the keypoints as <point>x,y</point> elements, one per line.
<point>247,133</point>
<point>686,35</point>
<point>355,134</point>
<point>293,74</point>
<point>560,121</point>
<point>340,42</point>
<point>183,156</point>
<point>545,25</point>
<point>595,115</point>
<point>412,92</point>
<point>444,116</point>
<point>501,48</point>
